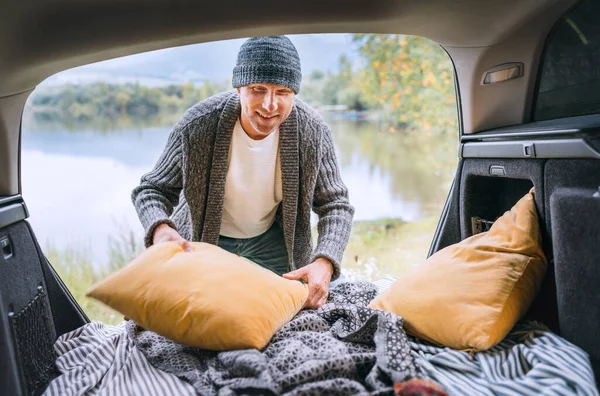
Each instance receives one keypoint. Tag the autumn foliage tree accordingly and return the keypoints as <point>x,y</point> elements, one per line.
<point>409,80</point>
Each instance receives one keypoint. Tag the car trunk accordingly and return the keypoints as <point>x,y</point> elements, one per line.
<point>564,168</point>
<point>494,172</point>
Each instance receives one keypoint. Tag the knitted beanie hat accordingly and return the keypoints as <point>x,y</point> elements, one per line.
<point>269,59</point>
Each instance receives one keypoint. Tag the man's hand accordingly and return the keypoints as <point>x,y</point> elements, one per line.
<point>164,233</point>
<point>317,275</point>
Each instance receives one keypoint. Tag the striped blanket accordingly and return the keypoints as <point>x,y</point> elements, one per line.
<point>102,359</point>
<point>529,361</point>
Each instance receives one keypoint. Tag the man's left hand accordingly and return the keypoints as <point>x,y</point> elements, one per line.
<point>317,275</point>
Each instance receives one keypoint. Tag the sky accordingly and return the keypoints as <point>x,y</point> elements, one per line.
<point>199,62</point>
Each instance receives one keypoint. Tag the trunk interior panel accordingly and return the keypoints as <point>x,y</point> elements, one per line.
<point>573,220</point>
<point>487,197</point>
<point>29,331</point>
<point>35,307</point>
<point>568,203</point>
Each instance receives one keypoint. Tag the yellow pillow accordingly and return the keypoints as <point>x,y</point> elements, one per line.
<point>469,295</point>
<point>208,298</point>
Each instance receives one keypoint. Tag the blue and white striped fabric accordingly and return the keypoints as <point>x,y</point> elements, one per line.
<point>99,359</point>
<point>531,360</point>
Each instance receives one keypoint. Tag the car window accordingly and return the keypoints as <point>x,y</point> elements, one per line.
<point>569,84</point>
<point>90,133</point>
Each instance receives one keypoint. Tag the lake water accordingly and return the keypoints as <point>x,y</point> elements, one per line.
<point>77,184</point>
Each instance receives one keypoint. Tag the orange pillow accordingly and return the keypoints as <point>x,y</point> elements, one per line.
<point>208,298</point>
<point>469,295</point>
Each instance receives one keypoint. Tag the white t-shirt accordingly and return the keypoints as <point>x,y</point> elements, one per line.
<point>253,186</point>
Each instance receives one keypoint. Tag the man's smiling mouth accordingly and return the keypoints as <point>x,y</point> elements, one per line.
<point>267,117</point>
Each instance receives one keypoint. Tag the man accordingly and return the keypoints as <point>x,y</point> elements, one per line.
<point>244,170</point>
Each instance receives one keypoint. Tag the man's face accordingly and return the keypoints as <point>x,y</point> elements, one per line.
<point>264,108</point>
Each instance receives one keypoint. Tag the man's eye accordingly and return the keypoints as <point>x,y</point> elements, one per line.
<point>258,89</point>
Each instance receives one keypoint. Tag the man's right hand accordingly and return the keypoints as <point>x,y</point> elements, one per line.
<point>164,233</point>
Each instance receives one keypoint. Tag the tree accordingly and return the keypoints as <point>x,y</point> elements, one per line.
<point>316,75</point>
<point>410,80</point>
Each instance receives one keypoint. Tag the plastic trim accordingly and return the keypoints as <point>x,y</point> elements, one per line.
<point>443,218</point>
<point>12,213</point>
<point>519,134</point>
<point>580,126</point>
<point>564,148</point>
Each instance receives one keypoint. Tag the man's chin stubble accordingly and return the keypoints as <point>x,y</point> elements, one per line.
<point>261,130</point>
<point>256,126</point>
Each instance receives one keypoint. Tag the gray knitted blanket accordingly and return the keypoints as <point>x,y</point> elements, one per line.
<point>342,348</point>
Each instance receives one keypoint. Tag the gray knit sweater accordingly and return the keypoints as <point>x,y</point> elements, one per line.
<point>190,177</point>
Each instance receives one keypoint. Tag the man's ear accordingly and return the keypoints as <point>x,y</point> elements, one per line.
<point>238,89</point>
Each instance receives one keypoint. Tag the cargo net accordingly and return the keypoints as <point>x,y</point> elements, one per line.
<point>34,333</point>
<point>479,225</point>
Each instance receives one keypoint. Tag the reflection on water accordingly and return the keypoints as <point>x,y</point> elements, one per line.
<point>77,185</point>
<point>417,168</point>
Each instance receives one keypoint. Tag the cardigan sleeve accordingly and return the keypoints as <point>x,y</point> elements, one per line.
<point>158,192</point>
<point>331,204</point>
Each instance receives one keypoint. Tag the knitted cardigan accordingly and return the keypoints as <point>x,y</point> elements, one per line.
<point>190,174</point>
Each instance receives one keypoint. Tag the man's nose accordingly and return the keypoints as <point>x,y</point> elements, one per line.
<point>270,103</point>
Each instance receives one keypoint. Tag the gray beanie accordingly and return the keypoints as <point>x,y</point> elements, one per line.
<point>269,59</point>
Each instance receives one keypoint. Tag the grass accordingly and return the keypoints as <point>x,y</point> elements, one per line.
<point>79,273</point>
<point>376,249</point>
<point>386,247</point>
